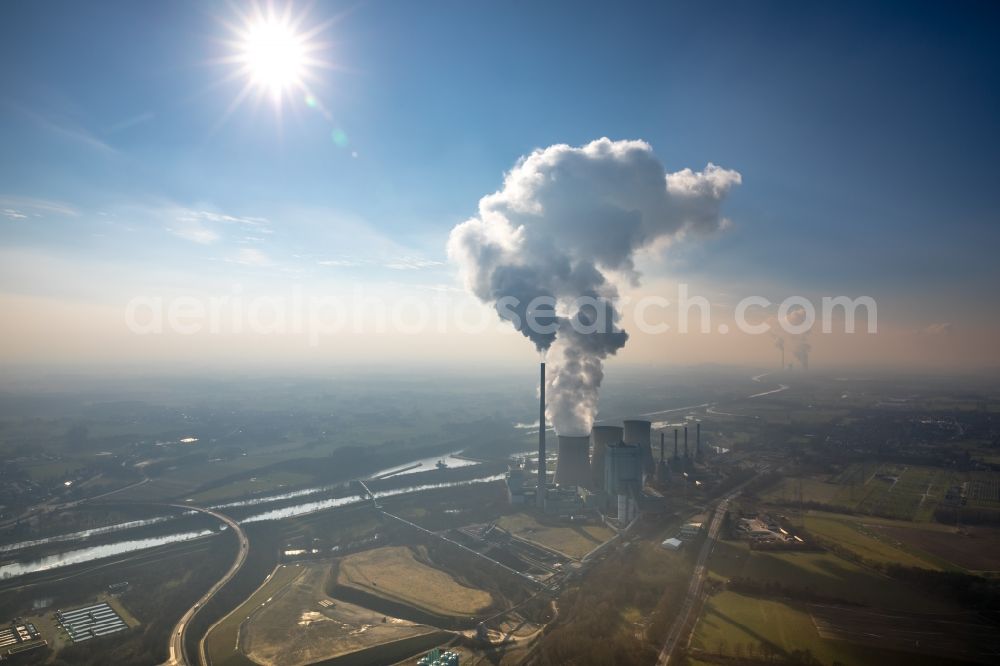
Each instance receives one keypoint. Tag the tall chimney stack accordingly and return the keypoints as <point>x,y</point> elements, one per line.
<point>686,442</point>
<point>540,493</point>
<point>662,437</point>
<point>697,440</point>
<point>675,443</point>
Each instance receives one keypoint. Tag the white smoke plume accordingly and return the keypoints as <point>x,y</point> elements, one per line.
<point>779,344</point>
<point>565,217</point>
<point>802,350</point>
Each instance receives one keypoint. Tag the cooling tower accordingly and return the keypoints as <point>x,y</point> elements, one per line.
<point>637,433</point>
<point>600,437</point>
<point>573,465</point>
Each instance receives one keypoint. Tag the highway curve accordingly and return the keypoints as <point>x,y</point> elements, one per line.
<point>178,655</point>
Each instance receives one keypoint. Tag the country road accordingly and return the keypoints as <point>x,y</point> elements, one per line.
<point>677,630</point>
<point>178,654</point>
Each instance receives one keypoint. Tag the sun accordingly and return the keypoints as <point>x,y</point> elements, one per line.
<point>274,54</point>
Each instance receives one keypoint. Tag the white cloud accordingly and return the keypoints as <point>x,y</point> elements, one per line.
<point>411,264</point>
<point>65,128</point>
<point>194,231</point>
<point>29,206</point>
<point>203,226</point>
<point>211,216</point>
<point>938,328</point>
<point>340,263</point>
<point>252,257</point>
<point>12,214</point>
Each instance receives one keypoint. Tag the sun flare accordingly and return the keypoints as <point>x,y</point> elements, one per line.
<point>274,56</point>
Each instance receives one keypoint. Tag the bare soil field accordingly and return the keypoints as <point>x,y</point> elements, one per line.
<point>974,548</point>
<point>301,625</point>
<point>574,542</point>
<point>395,573</point>
<point>951,636</point>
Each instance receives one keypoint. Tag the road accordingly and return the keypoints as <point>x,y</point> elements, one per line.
<point>178,654</point>
<point>677,631</point>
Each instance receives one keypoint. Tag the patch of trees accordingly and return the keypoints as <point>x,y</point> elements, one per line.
<point>591,628</point>
<point>762,482</point>
<point>771,588</point>
<point>974,592</point>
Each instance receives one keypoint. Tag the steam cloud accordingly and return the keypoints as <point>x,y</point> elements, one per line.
<point>795,317</point>
<point>541,250</point>
<point>802,352</point>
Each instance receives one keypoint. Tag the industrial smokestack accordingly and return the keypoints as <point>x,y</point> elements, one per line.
<point>638,433</point>
<point>601,437</point>
<point>662,437</point>
<point>573,464</point>
<point>540,493</point>
<point>686,442</point>
<point>675,443</point>
<point>697,440</point>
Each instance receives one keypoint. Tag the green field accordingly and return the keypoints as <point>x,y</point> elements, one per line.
<point>265,482</point>
<point>818,573</point>
<point>573,542</point>
<point>850,532</point>
<point>901,492</point>
<point>731,623</point>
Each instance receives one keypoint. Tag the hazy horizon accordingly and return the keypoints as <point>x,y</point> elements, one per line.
<point>180,174</point>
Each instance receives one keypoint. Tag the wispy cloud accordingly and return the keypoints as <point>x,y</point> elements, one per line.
<point>203,226</point>
<point>402,263</point>
<point>251,257</point>
<point>195,232</point>
<point>12,214</point>
<point>29,206</point>
<point>340,263</point>
<point>938,328</point>
<point>65,128</point>
<point>411,264</point>
<point>212,216</point>
<point>139,119</point>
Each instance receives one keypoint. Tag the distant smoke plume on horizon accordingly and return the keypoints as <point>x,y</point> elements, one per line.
<point>566,218</point>
<point>802,350</point>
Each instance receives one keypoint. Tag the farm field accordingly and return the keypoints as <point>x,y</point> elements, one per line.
<point>819,573</point>
<point>301,625</point>
<point>872,542</point>
<point>973,548</point>
<point>730,623</point>
<point>265,482</point>
<point>900,492</point>
<point>393,572</point>
<point>573,542</point>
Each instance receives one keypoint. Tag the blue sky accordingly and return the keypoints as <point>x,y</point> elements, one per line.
<point>866,138</point>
